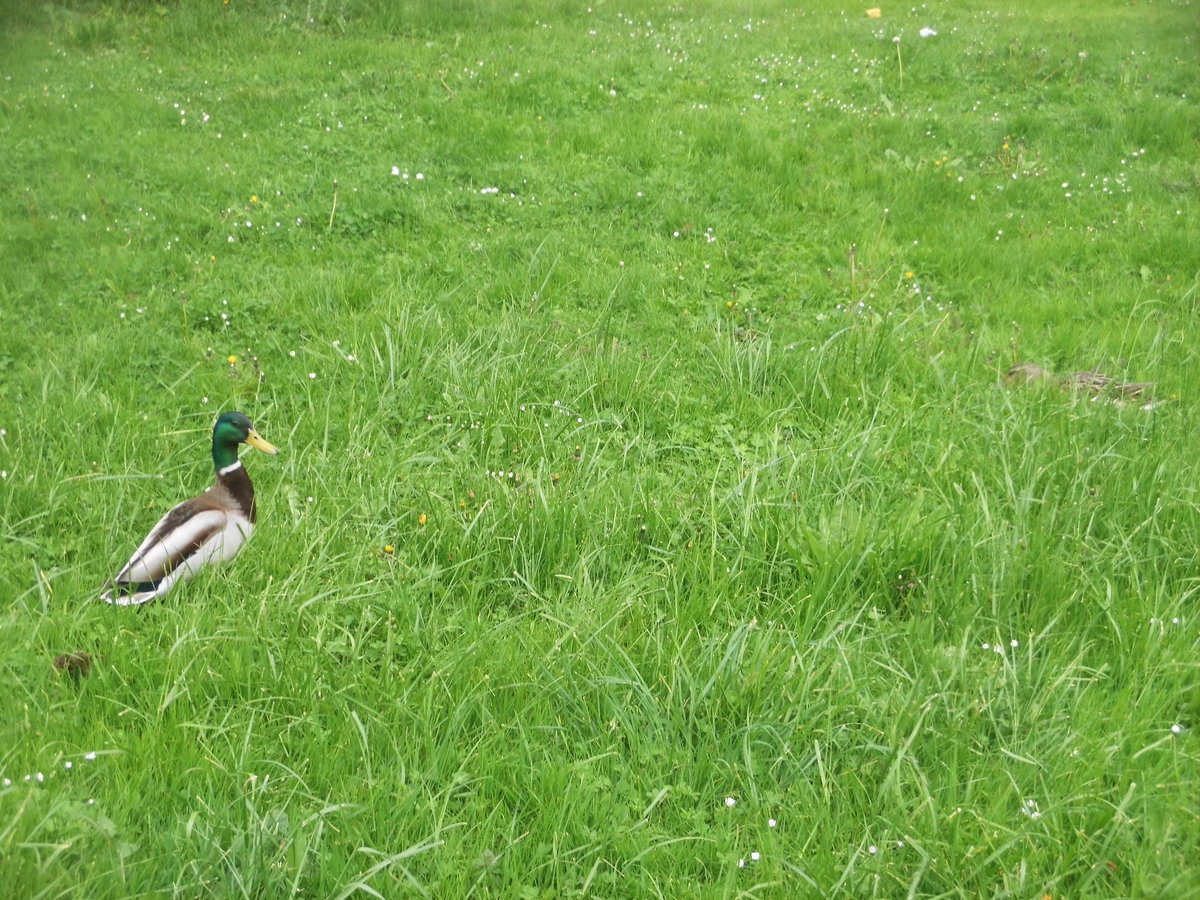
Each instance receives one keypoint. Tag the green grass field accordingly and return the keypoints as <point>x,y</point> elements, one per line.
<point>652,519</point>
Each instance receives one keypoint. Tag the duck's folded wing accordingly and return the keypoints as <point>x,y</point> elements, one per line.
<point>1136,388</point>
<point>177,537</point>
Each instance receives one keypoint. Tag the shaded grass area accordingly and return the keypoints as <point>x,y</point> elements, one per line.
<point>636,374</point>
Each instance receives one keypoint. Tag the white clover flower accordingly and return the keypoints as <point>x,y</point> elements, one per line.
<point>927,32</point>
<point>730,802</point>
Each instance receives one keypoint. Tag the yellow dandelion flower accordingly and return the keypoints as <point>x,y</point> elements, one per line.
<point>908,274</point>
<point>388,548</point>
<point>422,519</point>
<point>232,360</point>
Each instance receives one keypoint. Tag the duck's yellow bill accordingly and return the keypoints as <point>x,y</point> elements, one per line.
<point>255,440</point>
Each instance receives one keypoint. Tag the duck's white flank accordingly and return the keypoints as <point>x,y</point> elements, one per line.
<point>208,537</point>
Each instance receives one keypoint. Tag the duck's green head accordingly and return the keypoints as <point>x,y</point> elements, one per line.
<point>234,428</point>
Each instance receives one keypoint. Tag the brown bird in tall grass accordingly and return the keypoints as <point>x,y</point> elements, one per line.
<point>1093,382</point>
<point>77,664</point>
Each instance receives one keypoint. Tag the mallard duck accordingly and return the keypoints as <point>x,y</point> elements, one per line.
<point>1096,382</point>
<point>207,529</point>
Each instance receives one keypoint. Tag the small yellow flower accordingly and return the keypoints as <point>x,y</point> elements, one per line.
<point>232,360</point>
<point>908,274</point>
<point>254,198</point>
<point>388,548</point>
<point>422,519</point>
